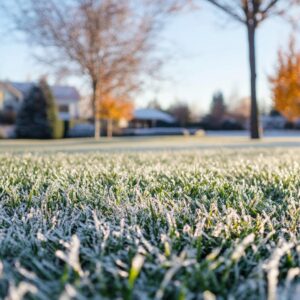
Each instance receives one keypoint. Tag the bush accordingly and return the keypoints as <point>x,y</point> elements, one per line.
<point>7,117</point>
<point>32,120</point>
<point>56,125</point>
<point>59,129</point>
<point>38,116</point>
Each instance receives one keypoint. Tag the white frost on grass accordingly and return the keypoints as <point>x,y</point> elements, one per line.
<point>140,225</point>
<point>272,268</point>
<point>239,251</point>
<point>71,256</point>
<point>19,292</point>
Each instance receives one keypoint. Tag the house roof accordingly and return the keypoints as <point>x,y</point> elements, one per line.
<point>153,114</point>
<point>60,92</point>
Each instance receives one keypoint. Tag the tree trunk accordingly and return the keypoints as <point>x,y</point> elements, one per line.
<point>97,128</point>
<point>94,87</point>
<point>95,100</point>
<point>109,128</point>
<point>254,120</point>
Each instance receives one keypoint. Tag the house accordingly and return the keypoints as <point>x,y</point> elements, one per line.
<point>150,117</point>
<point>67,98</point>
<point>150,121</point>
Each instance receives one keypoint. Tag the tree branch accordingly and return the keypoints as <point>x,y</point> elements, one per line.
<point>227,9</point>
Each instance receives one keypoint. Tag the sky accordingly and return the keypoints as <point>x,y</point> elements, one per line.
<point>208,53</point>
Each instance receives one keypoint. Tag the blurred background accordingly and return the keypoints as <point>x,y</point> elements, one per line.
<point>86,68</point>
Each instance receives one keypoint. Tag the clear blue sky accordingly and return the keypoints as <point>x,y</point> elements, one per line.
<point>210,53</point>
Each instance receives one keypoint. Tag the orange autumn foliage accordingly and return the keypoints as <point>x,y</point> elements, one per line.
<point>111,108</point>
<point>286,83</point>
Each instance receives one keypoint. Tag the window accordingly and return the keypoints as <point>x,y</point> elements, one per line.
<point>63,108</point>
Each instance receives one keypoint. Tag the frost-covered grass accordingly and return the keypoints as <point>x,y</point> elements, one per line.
<point>163,225</point>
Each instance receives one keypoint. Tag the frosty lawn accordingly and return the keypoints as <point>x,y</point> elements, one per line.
<point>153,225</point>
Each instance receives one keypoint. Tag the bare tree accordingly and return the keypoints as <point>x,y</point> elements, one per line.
<point>251,13</point>
<point>109,41</point>
<point>218,109</point>
<point>181,111</point>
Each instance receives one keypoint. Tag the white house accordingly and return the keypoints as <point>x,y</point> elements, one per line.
<point>150,117</point>
<point>67,98</point>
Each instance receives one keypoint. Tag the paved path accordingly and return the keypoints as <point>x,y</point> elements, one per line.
<point>145,144</point>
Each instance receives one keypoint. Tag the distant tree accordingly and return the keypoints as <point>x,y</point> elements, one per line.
<point>181,112</point>
<point>108,41</point>
<point>242,107</point>
<point>240,111</point>
<point>216,115</point>
<point>113,110</point>
<point>56,125</point>
<point>218,108</point>
<point>154,104</point>
<point>251,13</point>
<point>32,120</point>
<point>285,83</point>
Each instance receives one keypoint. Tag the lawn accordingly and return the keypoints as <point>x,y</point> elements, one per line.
<point>129,144</point>
<point>164,224</point>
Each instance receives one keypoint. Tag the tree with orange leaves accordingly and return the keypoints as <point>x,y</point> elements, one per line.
<point>113,109</point>
<point>286,83</point>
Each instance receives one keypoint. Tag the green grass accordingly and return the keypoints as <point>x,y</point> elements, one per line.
<point>193,224</point>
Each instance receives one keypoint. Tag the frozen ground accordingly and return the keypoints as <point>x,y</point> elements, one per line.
<point>198,224</point>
